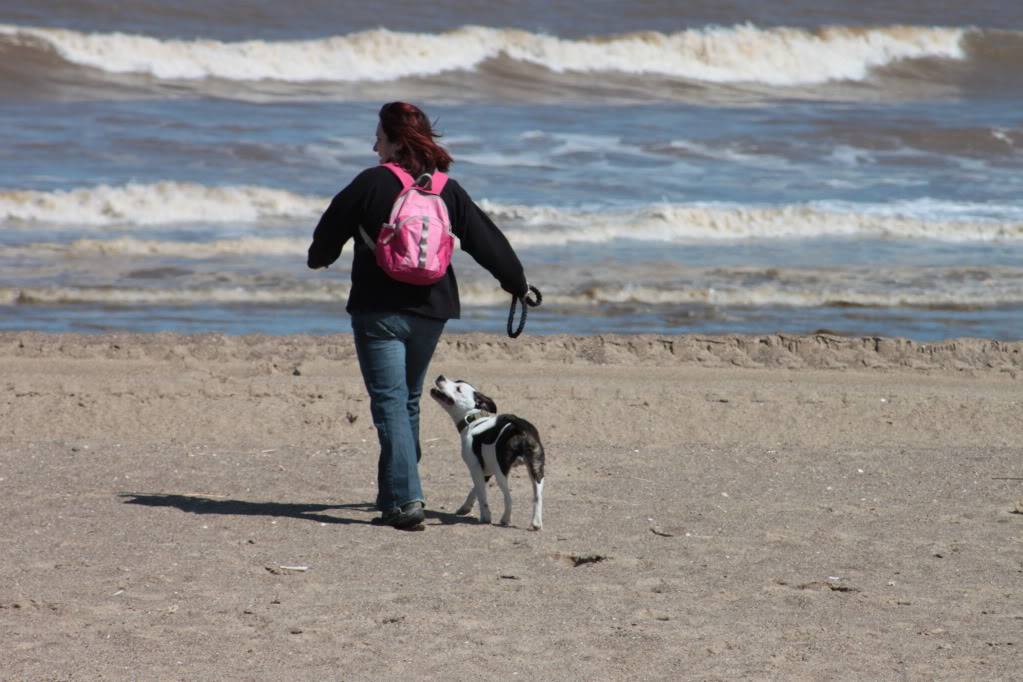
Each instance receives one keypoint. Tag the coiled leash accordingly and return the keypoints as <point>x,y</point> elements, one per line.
<point>527,303</point>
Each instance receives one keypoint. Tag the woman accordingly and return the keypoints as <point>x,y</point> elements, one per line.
<point>396,325</point>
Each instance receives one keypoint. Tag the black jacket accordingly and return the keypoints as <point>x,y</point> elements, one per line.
<point>367,201</point>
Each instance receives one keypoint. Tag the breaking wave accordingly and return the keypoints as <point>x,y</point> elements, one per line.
<point>933,288</point>
<point>130,246</point>
<point>175,297</point>
<point>737,54</point>
<point>547,226</point>
<point>154,204</point>
<point>169,202</point>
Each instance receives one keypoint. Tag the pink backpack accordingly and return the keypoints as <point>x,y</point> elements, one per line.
<point>415,245</point>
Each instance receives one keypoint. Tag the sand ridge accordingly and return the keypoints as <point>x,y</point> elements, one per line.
<point>769,351</point>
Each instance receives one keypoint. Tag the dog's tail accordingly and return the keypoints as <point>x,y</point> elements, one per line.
<point>534,456</point>
<point>534,466</point>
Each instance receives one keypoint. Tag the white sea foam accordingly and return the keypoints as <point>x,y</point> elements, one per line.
<point>935,211</point>
<point>547,226</point>
<point>727,153</point>
<point>168,202</point>
<point>745,53</point>
<point>811,288</point>
<point>130,246</point>
<point>550,149</point>
<point>177,296</point>
<point>767,295</point>
<point>500,159</point>
<point>154,204</point>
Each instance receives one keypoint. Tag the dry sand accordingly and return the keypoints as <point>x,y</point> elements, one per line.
<point>716,508</point>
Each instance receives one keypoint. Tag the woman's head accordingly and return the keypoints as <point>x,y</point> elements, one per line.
<point>405,136</point>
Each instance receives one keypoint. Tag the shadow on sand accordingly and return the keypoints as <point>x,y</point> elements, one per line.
<point>199,504</point>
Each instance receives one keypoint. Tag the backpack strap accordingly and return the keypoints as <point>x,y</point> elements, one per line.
<point>366,239</point>
<point>437,182</point>
<point>402,175</point>
<point>406,181</point>
<point>431,182</point>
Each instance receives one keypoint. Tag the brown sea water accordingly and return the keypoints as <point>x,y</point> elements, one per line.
<point>743,167</point>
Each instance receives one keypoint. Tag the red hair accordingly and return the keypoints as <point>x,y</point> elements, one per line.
<point>407,127</point>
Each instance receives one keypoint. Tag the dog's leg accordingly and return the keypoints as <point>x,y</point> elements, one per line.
<point>480,489</point>
<point>479,485</point>
<point>502,483</point>
<point>534,464</point>
<point>537,504</point>
<point>467,505</point>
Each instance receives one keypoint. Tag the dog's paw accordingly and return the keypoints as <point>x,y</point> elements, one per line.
<point>463,510</point>
<point>485,519</point>
<point>535,526</point>
<point>506,521</point>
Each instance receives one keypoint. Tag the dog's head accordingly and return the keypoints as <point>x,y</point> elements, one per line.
<point>460,398</point>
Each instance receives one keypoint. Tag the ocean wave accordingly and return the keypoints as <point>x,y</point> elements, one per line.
<point>133,247</point>
<point>238,295</point>
<point>169,202</point>
<point>243,291</point>
<point>548,226</point>
<point>737,54</point>
<point>865,286</point>
<point>934,288</point>
<point>154,204</point>
<point>768,295</point>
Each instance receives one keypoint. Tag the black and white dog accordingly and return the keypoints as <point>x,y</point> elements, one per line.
<point>491,444</point>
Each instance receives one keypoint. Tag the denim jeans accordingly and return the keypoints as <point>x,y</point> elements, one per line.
<point>394,352</point>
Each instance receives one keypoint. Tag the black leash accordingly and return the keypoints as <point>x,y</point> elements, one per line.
<point>527,303</point>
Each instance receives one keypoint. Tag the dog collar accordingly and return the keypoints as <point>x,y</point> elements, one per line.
<point>464,422</point>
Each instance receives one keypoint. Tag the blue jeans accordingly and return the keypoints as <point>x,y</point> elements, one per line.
<point>394,352</point>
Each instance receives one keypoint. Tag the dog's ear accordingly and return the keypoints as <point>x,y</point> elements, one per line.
<point>485,403</point>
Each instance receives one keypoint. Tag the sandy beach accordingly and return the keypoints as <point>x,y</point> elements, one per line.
<point>817,507</point>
